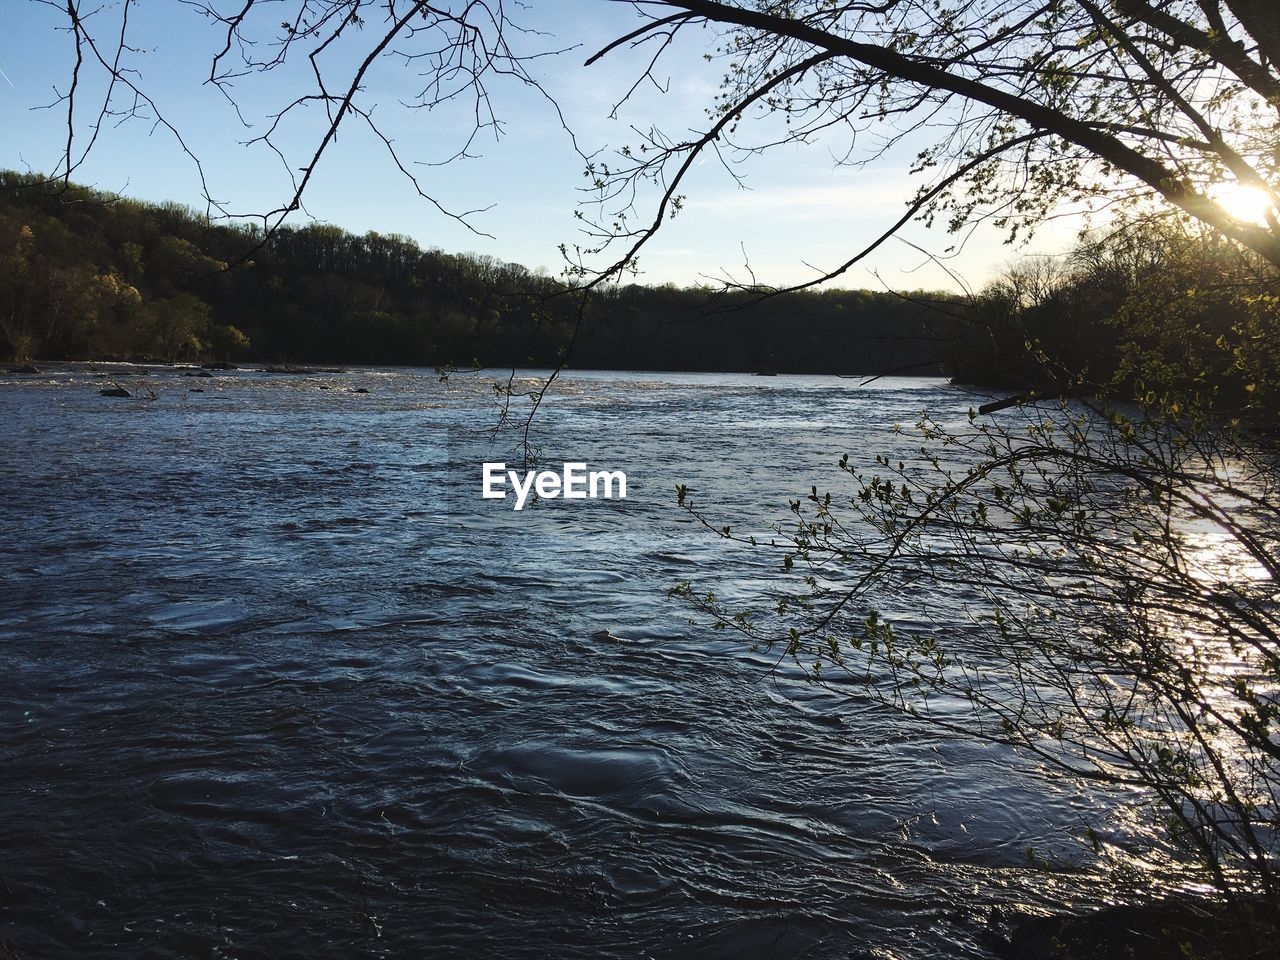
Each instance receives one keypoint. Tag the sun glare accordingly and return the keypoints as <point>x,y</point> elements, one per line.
<point>1249,204</point>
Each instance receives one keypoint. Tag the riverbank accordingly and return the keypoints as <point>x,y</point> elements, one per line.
<point>1180,928</point>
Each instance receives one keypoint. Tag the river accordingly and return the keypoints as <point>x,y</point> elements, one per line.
<point>277,681</point>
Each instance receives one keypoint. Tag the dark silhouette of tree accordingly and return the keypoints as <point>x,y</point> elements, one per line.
<point>88,275</point>
<point>1116,546</point>
<point>1034,103</point>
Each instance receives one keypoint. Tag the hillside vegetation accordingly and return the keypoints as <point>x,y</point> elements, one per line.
<point>85,274</point>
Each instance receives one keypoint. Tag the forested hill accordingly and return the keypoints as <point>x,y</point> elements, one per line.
<point>90,275</point>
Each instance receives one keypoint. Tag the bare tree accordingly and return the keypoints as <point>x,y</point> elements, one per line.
<point>452,53</point>
<point>1121,623</point>
<point>1031,102</point>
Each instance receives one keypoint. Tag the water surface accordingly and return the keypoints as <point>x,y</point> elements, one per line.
<point>277,682</point>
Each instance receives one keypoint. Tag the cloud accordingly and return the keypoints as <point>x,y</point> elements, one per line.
<point>832,201</point>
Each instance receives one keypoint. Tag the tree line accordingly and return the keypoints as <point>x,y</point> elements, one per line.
<point>1160,311</point>
<point>85,274</point>
<point>89,275</point>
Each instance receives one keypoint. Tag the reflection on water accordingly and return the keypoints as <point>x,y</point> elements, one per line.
<point>278,682</point>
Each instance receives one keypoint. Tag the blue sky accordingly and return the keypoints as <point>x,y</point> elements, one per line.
<point>801,207</point>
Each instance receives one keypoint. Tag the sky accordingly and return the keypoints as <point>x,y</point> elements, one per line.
<point>800,210</point>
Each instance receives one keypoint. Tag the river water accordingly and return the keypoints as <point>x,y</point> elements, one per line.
<point>278,682</point>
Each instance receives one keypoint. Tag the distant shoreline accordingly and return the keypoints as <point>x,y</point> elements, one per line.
<point>338,367</point>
